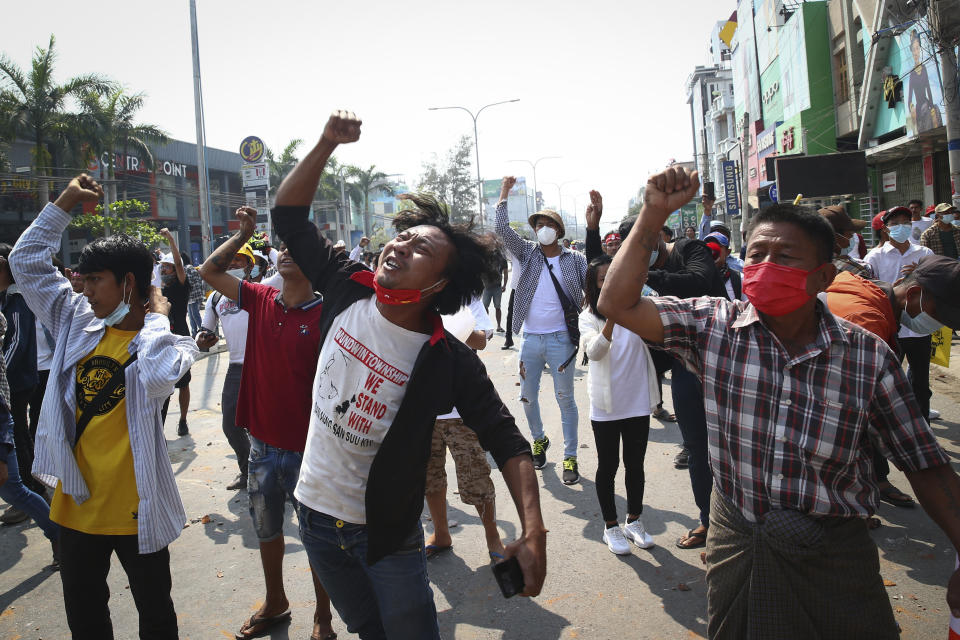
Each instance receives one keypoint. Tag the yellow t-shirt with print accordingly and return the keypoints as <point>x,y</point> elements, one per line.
<point>103,453</point>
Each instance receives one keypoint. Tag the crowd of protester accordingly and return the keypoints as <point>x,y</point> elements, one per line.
<point>786,368</point>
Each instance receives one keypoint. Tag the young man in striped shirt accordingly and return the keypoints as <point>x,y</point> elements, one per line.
<point>115,490</point>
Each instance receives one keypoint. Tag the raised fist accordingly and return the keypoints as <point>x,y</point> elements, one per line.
<point>343,127</point>
<point>506,186</point>
<point>594,210</point>
<point>248,220</point>
<point>669,190</point>
<point>84,189</point>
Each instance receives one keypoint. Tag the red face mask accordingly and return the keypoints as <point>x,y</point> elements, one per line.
<point>775,289</point>
<point>400,296</point>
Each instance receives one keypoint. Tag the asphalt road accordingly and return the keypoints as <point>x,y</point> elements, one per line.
<point>589,593</point>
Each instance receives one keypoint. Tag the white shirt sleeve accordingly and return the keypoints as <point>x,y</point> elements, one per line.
<point>483,321</point>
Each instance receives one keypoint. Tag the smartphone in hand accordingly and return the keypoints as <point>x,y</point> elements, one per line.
<point>509,577</point>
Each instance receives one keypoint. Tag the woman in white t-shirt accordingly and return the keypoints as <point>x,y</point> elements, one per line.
<point>623,393</point>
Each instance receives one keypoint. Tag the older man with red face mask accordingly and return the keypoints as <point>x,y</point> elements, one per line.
<point>797,403</point>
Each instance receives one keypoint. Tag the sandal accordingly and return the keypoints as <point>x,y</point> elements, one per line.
<point>699,540</point>
<point>897,498</point>
<point>258,626</point>
<point>432,550</point>
<point>330,636</point>
<point>664,415</point>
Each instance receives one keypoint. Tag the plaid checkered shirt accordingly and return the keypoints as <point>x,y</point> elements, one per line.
<point>573,268</point>
<point>931,238</point>
<point>797,432</point>
<point>198,288</point>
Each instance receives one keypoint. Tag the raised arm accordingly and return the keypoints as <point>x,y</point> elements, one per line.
<point>594,246</point>
<point>47,292</point>
<point>214,269</point>
<point>311,251</point>
<point>511,239</point>
<point>175,251</point>
<point>621,298</point>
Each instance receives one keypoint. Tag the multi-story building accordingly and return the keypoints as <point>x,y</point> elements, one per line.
<point>819,77</point>
<point>710,96</point>
<point>169,186</point>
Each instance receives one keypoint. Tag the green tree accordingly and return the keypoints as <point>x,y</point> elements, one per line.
<point>33,106</point>
<point>452,180</point>
<point>369,181</point>
<point>114,219</point>
<point>109,122</point>
<point>522,229</point>
<point>280,167</point>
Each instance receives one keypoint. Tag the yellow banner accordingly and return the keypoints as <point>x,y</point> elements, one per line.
<point>940,346</point>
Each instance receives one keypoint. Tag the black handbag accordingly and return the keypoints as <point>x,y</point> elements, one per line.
<point>571,315</point>
<point>92,409</point>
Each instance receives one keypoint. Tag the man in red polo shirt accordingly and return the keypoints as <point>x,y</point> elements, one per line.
<point>274,404</point>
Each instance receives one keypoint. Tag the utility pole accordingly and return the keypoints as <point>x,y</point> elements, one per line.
<point>944,19</point>
<point>476,148</point>
<point>745,175</point>
<point>205,227</point>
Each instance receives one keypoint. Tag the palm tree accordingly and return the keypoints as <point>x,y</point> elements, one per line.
<point>34,106</point>
<point>368,181</point>
<point>280,167</point>
<point>110,123</point>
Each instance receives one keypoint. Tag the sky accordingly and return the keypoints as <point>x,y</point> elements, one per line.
<point>600,83</point>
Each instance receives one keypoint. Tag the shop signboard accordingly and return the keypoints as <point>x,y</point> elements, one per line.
<point>255,176</point>
<point>252,149</point>
<point>889,181</point>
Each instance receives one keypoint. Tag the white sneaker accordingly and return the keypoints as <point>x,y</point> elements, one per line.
<point>636,534</point>
<point>934,414</point>
<point>615,541</point>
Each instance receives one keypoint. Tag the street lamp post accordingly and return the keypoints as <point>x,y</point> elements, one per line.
<point>476,147</point>
<point>533,165</point>
<point>560,198</point>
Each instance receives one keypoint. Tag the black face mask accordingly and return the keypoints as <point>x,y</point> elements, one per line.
<point>168,279</point>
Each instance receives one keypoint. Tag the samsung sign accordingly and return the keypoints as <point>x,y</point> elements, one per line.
<point>730,193</point>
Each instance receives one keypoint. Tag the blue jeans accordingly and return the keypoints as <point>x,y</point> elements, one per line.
<point>549,349</point>
<point>15,493</point>
<point>390,599</point>
<point>692,419</point>
<point>193,315</point>
<point>271,479</point>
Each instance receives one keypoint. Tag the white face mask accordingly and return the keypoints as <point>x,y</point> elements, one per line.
<point>237,273</point>
<point>923,323</point>
<point>546,235</point>
<point>122,309</point>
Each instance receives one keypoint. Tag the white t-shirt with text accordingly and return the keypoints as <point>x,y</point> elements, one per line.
<point>362,376</point>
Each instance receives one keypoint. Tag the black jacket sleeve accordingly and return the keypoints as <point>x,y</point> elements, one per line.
<point>482,410</point>
<point>698,277</point>
<point>593,248</point>
<point>311,251</point>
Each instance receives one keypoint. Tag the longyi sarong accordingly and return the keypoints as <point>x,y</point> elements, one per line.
<point>793,576</point>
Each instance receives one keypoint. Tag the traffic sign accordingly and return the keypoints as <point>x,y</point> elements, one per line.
<point>773,192</point>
